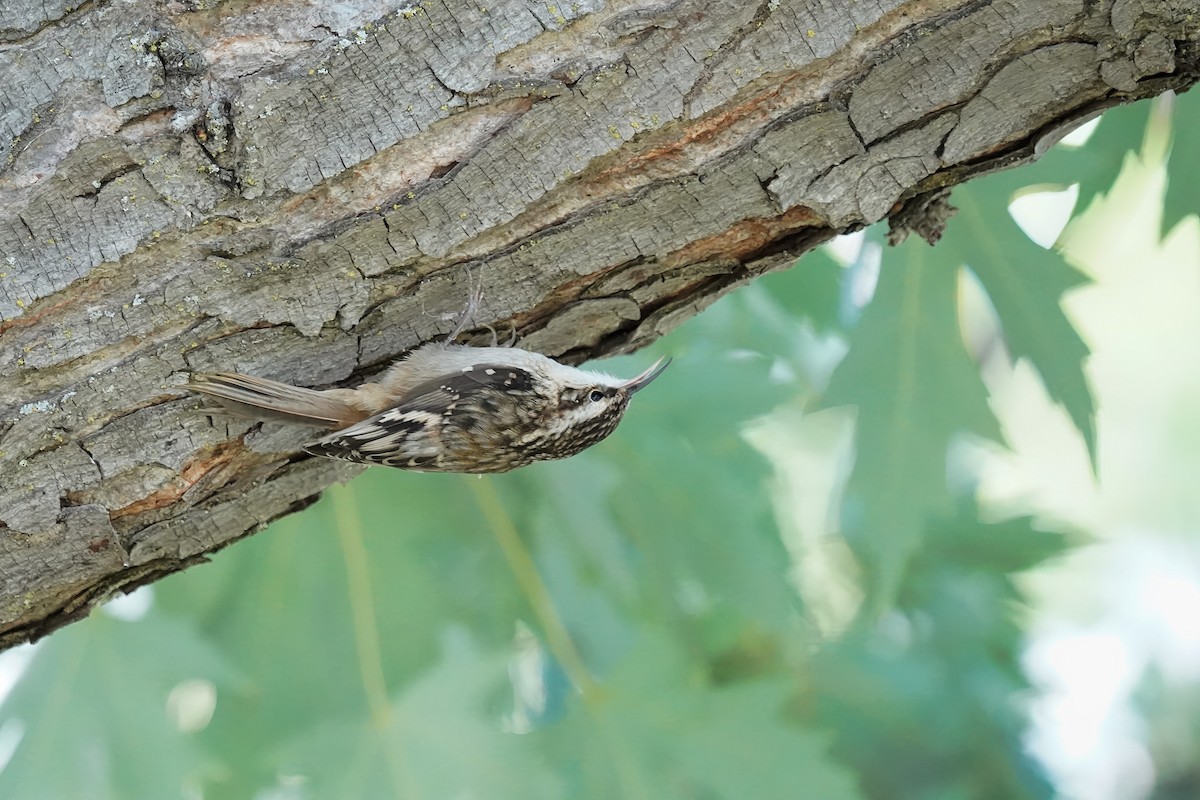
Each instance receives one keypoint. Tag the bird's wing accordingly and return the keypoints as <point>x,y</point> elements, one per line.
<point>409,435</point>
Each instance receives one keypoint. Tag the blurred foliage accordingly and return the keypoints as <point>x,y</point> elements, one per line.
<point>915,388</point>
<point>1118,137</point>
<point>925,700</point>
<point>627,623</point>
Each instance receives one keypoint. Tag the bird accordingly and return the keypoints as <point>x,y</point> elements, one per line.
<point>445,407</point>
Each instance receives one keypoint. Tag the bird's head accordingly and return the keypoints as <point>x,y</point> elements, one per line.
<point>590,405</point>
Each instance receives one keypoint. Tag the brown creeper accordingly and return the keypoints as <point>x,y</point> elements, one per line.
<point>446,408</point>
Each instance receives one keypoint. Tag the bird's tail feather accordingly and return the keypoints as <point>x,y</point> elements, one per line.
<point>259,398</point>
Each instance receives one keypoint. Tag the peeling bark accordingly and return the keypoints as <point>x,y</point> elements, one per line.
<point>301,193</point>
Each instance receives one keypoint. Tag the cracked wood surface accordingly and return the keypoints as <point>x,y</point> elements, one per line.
<point>301,193</point>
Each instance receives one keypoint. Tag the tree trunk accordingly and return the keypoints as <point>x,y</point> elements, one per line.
<point>304,193</point>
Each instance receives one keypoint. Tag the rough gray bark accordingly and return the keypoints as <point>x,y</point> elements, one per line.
<point>302,193</point>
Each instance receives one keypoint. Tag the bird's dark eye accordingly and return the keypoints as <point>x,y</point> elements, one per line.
<point>596,396</point>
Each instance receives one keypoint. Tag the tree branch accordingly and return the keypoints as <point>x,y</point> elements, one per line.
<point>302,194</point>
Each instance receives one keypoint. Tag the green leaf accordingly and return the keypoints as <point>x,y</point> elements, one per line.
<point>1094,166</point>
<point>811,289</point>
<point>660,731</point>
<point>949,652</point>
<point>915,388</point>
<point>1121,134</point>
<point>93,705</point>
<point>1025,283</point>
<point>1183,193</point>
<point>299,596</point>
<point>440,738</point>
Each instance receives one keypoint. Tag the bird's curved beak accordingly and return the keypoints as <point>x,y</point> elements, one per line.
<point>642,381</point>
